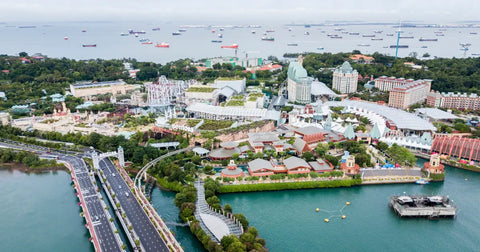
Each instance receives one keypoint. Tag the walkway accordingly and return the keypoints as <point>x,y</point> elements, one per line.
<point>214,224</point>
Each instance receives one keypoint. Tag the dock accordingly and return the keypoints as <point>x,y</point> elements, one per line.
<point>423,206</point>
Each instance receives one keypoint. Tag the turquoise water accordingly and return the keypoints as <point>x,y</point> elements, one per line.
<point>163,202</point>
<point>39,212</point>
<point>288,220</point>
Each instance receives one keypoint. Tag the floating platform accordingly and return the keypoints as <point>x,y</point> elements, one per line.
<point>423,206</point>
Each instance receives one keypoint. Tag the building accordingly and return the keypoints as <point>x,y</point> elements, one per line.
<point>434,166</point>
<point>3,96</point>
<point>232,171</point>
<point>260,167</point>
<point>57,97</point>
<point>385,83</point>
<point>299,85</point>
<point>362,59</point>
<point>349,167</point>
<point>345,79</point>
<point>434,115</point>
<point>310,134</point>
<point>459,147</point>
<point>259,140</point>
<point>86,89</point>
<point>234,61</point>
<point>320,90</point>
<point>295,165</point>
<point>4,118</point>
<point>321,166</point>
<point>226,151</point>
<point>404,96</point>
<point>202,110</point>
<point>453,101</point>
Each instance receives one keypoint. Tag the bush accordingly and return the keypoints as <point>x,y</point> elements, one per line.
<point>288,186</point>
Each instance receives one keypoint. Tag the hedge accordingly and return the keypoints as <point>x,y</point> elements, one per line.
<point>288,186</point>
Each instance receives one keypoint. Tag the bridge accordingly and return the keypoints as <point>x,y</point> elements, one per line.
<point>102,231</point>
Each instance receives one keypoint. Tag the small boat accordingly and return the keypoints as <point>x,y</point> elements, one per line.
<point>84,30</point>
<point>269,31</point>
<point>156,29</point>
<point>421,182</point>
<point>368,35</point>
<point>439,34</point>
<point>406,37</point>
<point>268,39</point>
<point>378,31</point>
<point>91,45</point>
<point>221,29</point>
<point>475,54</point>
<point>136,35</point>
<point>253,31</point>
<point>320,48</point>
<point>363,45</point>
<point>65,38</point>
<point>465,44</point>
<point>292,44</point>
<point>473,33</point>
<point>424,46</point>
<point>377,39</point>
<point>216,41</point>
<point>162,45</point>
<point>336,37</point>
<point>176,33</point>
<point>147,43</point>
<point>123,34</point>
<point>220,35</point>
<point>182,30</point>
<point>234,46</point>
<point>306,33</point>
<point>144,40</point>
<point>27,26</point>
<point>136,32</point>
<point>213,31</point>
<point>390,34</point>
<point>353,33</point>
<point>289,29</point>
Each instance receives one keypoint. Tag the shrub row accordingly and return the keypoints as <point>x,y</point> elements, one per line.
<point>288,186</point>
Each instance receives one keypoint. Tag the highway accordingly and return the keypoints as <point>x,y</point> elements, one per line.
<point>96,215</point>
<point>149,238</point>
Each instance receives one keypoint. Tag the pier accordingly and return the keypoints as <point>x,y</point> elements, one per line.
<point>423,206</point>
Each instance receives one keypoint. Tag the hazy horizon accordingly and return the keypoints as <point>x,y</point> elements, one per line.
<point>239,12</point>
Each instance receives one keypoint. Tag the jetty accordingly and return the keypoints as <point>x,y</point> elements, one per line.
<point>423,206</point>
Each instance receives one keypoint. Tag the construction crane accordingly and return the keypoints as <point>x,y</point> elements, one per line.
<point>464,48</point>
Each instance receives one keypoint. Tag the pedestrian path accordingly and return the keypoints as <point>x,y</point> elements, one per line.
<point>216,225</point>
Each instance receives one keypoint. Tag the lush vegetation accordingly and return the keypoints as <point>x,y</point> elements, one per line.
<point>31,160</point>
<point>401,155</point>
<point>201,89</point>
<point>235,103</point>
<point>288,186</point>
<point>215,125</point>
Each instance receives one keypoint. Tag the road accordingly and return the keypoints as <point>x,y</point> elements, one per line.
<point>103,229</point>
<point>143,227</point>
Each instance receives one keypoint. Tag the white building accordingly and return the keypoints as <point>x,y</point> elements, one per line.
<point>345,79</point>
<point>299,85</point>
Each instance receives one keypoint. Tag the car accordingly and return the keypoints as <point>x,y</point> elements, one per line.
<point>113,174</point>
<point>126,194</point>
<point>119,187</point>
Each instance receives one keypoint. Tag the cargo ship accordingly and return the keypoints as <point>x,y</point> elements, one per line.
<point>147,43</point>
<point>368,35</point>
<point>292,44</point>
<point>423,206</point>
<point>353,33</point>
<point>92,45</point>
<point>216,41</point>
<point>427,39</point>
<point>182,30</point>
<point>406,37</point>
<point>123,34</point>
<point>136,32</point>
<point>377,39</point>
<point>234,46</point>
<point>336,37</point>
<point>176,33</point>
<point>156,29</point>
<point>399,46</point>
<point>363,45</point>
<point>162,45</point>
<point>268,39</point>
<point>27,26</point>
<point>307,33</point>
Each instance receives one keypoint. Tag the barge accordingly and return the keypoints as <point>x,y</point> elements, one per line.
<point>423,206</point>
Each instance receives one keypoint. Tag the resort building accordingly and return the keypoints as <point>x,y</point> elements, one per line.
<point>206,111</point>
<point>345,79</point>
<point>453,101</point>
<point>260,167</point>
<point>4,118</point>
<point>299,85</point>
<point>260,140</point>
<point>459,147</point>
<point>86,89</point>
<point>434,166</point>
<point>226,151</point>
<point>232,171</point>
<point>295,165</point>
<point>349,167</point>
<point>385,83</point>
<point>434,115</point>
<point>321,166</point>
<point>408,94</point>
<point>321,92</point>
<point>310,134</point>
<point>362,59</point>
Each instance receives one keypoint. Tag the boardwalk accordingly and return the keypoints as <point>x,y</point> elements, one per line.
<point>214,224</point>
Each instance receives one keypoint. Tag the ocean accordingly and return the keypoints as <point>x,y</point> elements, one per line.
<point>195,43</point>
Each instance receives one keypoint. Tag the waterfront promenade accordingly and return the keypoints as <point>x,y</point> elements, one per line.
<point>215,224</point>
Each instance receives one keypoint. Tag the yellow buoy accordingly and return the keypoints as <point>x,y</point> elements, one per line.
<point>348,203</point>
<point>326,220</point>
<point>317,209</point>
<point>343,216</point>
<point>466,179</point>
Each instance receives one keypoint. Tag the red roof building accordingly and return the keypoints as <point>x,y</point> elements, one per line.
<point>460,147</point>
<point>349,167</point>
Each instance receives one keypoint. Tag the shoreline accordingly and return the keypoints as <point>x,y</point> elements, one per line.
<point>23,168</point>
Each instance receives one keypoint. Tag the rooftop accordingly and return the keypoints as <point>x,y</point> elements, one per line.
<point>259,164</point>
<point>97,84</point>
<point>319,88</point>
<point>263,137</point>
<point>436,114</point>
<point>294,162</point>
<point>309,130</point>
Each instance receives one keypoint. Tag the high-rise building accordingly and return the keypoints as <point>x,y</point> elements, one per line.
<point>385,83</point>
<point>452,100</point>
<point>402,97</point>
<point>345,79</point>
<point>299,85</point>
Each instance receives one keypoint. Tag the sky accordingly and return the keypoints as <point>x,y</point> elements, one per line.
<point>240,11</point>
